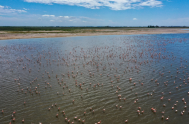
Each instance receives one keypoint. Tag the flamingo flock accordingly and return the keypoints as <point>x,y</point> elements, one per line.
<point>97,81</point>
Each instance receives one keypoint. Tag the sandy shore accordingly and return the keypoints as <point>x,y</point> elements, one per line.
<point>123,31</point>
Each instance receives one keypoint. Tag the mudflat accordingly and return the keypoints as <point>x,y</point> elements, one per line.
<point>87,32</point>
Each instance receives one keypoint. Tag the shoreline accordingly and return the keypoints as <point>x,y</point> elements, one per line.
<point>7,35</point>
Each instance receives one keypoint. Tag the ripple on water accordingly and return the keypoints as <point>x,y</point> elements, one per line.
<point>109,63</point>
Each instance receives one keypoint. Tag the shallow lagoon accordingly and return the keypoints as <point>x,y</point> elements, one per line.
<point>37,73</point>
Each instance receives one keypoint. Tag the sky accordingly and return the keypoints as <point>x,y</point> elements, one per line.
<point>94,12</point>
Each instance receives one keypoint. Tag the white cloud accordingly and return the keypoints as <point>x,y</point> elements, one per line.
<point>48,15</point>
<point>151,3</point>
<point>8,10</point>
<point>112,4</point>
<point>66,17</point>
<point>134,18</point>
<point>75,19</point>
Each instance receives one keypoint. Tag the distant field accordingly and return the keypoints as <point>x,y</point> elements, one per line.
<point>28,28</point>
<point>64,29</point>
<point>7,28</point>
<point>7,32</point>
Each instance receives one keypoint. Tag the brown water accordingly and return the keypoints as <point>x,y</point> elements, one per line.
<point>94,71</point>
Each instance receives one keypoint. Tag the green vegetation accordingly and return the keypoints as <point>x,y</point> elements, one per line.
<point>71,29</point>
<point>151,26</point>
<point>27,28</point>
<point>58,29</point>
<point>12,28</point>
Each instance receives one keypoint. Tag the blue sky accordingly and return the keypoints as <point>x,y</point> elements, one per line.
<point>94,12</point>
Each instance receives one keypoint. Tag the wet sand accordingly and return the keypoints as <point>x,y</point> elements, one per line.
<point>83,32</point>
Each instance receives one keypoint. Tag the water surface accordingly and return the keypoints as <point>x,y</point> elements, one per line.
<point>94,71</point>
<point>184,29</point>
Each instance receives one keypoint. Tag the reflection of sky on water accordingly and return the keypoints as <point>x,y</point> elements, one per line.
<point>172,48</point>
